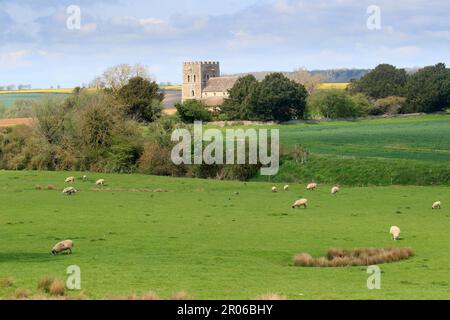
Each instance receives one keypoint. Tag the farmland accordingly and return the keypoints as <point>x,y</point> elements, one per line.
<point>144,233</point>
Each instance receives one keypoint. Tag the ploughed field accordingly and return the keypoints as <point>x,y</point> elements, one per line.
<point>142,233</point>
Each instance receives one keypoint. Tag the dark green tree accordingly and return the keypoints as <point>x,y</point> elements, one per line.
<point>383,81</point>
<point>141,99</point>
<point>277,98</point>
<point>428,90</point>
<point>235,106</point>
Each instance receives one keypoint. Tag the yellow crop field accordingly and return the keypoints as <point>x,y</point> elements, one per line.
<point>328,86</point>
<point>66,90</point>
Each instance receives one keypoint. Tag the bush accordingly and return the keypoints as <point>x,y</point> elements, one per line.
<point>390,105</point>
<point>335,104</point>
<point>193,110</point>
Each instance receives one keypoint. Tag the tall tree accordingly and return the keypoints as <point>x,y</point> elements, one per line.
<point>309,81</point>
<point>383,81</point>
<point>428,90</point>
<point>235,107</point>
<point>277,98</point>
<point>141,99</point>
<point>114,78</point>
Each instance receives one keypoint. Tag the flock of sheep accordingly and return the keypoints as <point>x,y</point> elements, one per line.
<point>71,190</point>
<point>67,245</point>
<point>394,231</point>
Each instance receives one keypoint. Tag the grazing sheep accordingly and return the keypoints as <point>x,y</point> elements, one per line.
<point>395,233</point>
<point>62,246</point>
<point>70,180</point>
<point>70,191</point>
<point>300,203</point>
<point>274,189</point>
<point>100,182</point>
<point>437,205</point>
<point>84,177</point>
<point>286,188</point>
<point>311,186</point>
<point>335,190</point>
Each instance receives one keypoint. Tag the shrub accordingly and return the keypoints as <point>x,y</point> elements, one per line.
<point>389,105</point>
<point>193,110</point>
<point>334,104</point>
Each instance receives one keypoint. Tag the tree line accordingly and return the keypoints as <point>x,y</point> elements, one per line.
<point>278,97</point>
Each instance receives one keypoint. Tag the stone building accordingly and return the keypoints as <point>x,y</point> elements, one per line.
<point>202,81</point>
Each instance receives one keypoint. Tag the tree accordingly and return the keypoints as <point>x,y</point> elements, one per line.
<point>309,81</point>
<point>193,110</point>
<point>118,76</point>
<point>234,107</point>
<point>385,80</point>
<point>141,99</point>
<point>428,90</point>
<point>277,98</point>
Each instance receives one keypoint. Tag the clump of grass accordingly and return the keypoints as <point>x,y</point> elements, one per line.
<point>21,293</point>
<point>182,295</point>
<point>57,288</point>
<point>304,259</point>
<point>356,257</point>
<point>38,187</point>
<point>51,187</point>
<point>271,296</point>
<point>44,284</point>
<point>150,296</point>
<point>7,282</point>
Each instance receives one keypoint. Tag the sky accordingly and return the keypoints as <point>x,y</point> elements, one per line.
<point>38,47</point>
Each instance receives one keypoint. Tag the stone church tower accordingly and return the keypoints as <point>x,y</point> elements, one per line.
<point>196,76</point>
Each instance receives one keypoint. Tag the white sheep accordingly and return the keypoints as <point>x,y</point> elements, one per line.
<point>335,190</point>
<point>311,186</point>
<point>286,188</point>
<point>437,205</point>
<point>70,191</point>
<point>70,180</point>
<point>274,189</point>
<point>395,233</point>
<point>62,246</point>
<point>100,182</point>
<point>300,203</point>
<point>84,177</point>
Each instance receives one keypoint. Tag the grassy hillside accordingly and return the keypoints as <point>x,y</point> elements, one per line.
<point>152,233</point>
<point>399,151</point>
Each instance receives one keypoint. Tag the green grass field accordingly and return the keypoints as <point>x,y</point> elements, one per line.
<point>146,233</point>
<point>8,99</point>
<point>417,138</point>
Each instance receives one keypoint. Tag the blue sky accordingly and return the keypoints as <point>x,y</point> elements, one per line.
<point>37,48</point>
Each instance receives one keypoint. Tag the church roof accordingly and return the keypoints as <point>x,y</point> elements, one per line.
<point>220,84</point>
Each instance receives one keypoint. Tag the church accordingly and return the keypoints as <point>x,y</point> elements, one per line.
<point>202,81</point>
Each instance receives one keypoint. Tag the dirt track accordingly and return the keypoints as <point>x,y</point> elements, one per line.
<point>14,122</point>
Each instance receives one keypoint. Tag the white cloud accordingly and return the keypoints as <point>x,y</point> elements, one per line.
<point>13,58</point>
